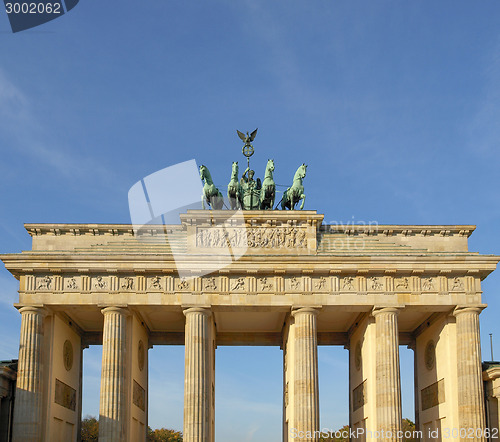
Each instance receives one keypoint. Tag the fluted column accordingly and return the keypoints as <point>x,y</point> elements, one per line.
<point>197,376</point>
<point>471,412</point>
<point>306,390</point>
<point>113,406</point>
<point>388,382</point>
<point>29,388</point>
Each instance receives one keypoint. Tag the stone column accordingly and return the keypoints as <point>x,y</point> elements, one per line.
<point>471,412</point>
<point>113,407</point>
<point>28,412</point>
<point>306,390</point>
<point>197,377</point>
<point>388,382</point>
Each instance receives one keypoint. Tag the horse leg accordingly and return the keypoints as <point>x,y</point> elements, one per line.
<point>218,201</point>
<point>203,201</point>
<point>283,200</point>
<point>303,197</point>
<point>232,199</point>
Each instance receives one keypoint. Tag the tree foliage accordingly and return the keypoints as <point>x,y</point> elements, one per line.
<point>408,427</point>
<point>90,432</point>
<point>164,435</point>
<point>90,429</point>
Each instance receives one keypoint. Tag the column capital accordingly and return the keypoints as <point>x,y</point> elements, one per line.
<point>378,310</point>
<point>34,309</point>
<point>313,310</point>
<point>459,309</point>
<point>113,309</point>
<point>204,310</point>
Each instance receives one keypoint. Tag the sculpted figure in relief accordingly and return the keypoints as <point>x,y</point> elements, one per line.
<point>156,282</point>
<point>128,283</point>
<point>44,283</point>
<point>320,283</point>
<point>258,237</point>
<point>403,283</point>
<point>375,283</point>
<point>348,283</point>
<point>265,284</point>
<point>294,283</point>
<point>210,284</point>
<point>239,284</point>
<point>100,282</point>
<point>72,283</point>
<point>457,284</point>
<point>428,284</point>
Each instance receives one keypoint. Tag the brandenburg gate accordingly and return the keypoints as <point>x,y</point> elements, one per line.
<point>264,277</point>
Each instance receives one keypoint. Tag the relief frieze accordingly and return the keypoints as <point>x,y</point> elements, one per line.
<point>266,284</point>
<point>402,283</point>
<point>210,284</point>
<point>44,283</point>
<point>348,283</point>
<point>72,284</point>
<point>100,283</point>
<point>155,283</point>
<point>320,283</point>
<point>252,237</point>
<point>375,283</point>
<point>297,283</point>
<point>127,283</point>
<point>456,285</point>
<point>238,284</point>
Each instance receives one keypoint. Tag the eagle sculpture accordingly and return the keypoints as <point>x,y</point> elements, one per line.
<point>247,138</point>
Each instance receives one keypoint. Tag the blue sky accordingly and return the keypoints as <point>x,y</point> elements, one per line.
<point>394,106</point>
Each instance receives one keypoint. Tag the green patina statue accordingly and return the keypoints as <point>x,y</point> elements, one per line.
<point>247,139</point>
<point>294,194</point>
<point>211,195</point>
<point>268,191</point>
<point>234,189</point>
<point>249,193</point>
<point>250,189</point>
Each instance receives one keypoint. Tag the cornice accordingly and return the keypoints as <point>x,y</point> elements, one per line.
<point>36,229</point>
<point>466,264</point>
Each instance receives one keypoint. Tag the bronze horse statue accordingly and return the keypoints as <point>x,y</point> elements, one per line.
<point>295,193</point>
<point>211,195</point>
<point>234,189</point>
<point>268,190</point>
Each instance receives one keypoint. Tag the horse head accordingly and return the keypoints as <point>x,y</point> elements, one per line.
<point>301,172</point>
<point>203,170</point>
<point>270,165</point>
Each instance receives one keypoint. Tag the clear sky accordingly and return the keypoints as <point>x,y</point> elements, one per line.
<point>394,106</point>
